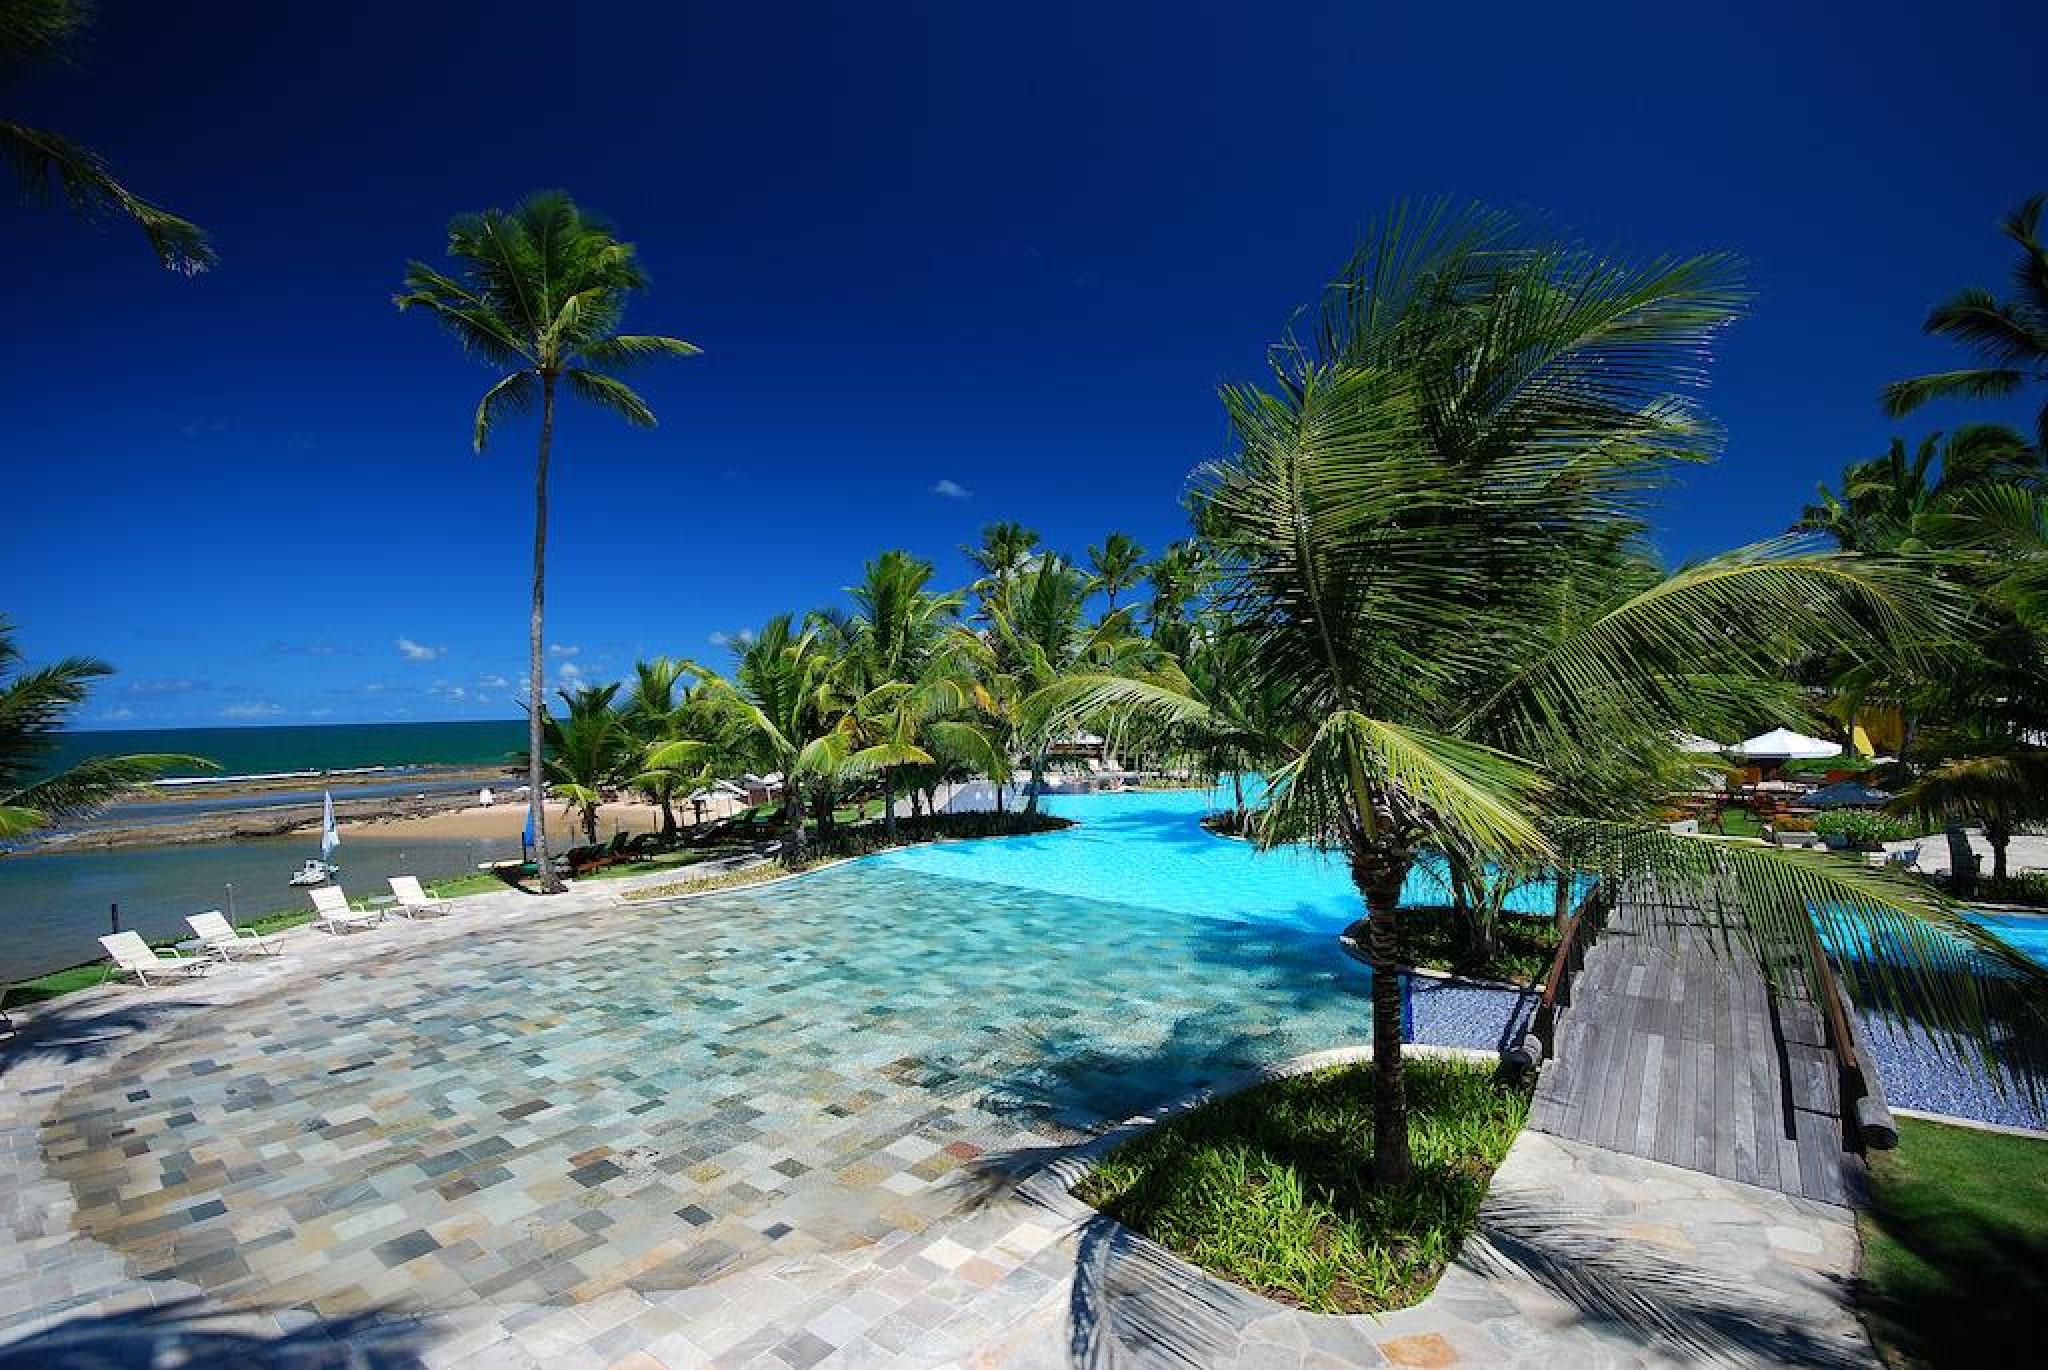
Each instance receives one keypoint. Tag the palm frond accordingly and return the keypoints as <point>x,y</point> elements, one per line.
<point>45,163</point>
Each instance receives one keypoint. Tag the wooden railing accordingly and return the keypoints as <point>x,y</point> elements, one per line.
<point>1580,931</point>
<point>1867,1117</point>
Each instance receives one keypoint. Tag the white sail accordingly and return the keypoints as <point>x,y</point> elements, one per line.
<point>329,838</point>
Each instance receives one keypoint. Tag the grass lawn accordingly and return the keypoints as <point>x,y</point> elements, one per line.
<point>1272,1188</point>
<point>1523,947</point>
<point>1735,822</point>
<point>1955,1247</point>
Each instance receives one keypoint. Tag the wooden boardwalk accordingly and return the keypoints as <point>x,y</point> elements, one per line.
<point>1676,1050</point>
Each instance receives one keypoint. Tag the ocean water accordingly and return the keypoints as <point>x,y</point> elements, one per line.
<point>300,748</point>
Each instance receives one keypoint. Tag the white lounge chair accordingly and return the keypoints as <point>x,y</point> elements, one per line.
<point>414,902</point>
<point>133,956</point>
<point>227,941</point>
<point>335,914</point>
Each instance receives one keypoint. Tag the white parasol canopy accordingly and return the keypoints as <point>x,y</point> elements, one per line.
<point>1782,744</point>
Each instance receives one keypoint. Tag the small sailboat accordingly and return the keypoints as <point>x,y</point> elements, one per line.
<point>319,872</point>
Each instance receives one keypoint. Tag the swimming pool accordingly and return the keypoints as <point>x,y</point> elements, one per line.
<point>1148,850</point>
<point>2026,933</point>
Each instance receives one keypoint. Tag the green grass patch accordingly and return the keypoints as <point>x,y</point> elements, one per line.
<point>1272,1188</point>
<point>1522,951</point>
<point>1735,822</point>
<point>670,861</point>
<point>1955,1246</point>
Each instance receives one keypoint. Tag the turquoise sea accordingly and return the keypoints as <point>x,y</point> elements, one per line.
<point>297,748</point>
<point>53,903</point>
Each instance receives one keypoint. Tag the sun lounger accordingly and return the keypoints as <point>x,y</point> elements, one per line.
<point>227,941</point>
<point>133,956</point>
<point>335,914</point>
<point>414,902</point>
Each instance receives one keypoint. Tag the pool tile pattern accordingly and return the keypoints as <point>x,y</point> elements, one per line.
<point>652,1098</point>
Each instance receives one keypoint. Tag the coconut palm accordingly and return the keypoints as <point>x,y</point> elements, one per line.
<point>1006,549</point>
<point>2009,336</point>
<point>34,707</point>
<point>1886,504</point>
<point>1477,412</point>
<point>591,750</point>
<point>778,700</point>
<point>1039,637</point>
<point>896,636</point>
<point>541,290</point>
<point>663,708</point>
<point>1179,578</point>
<point>1116,566</point>
<point>38,32</point>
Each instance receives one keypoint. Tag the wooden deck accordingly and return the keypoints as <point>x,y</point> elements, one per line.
<point>1676,1050</point>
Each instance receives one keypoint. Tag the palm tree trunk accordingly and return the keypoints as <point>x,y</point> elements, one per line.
<point>1561,899</point>
<point>1378,875</point>
<point>590,823</point>
<point>544,871</point>
<point>793,820</point>
<point>889,802</point>
<point>1998,835</point>
<point>1037,782</point>
<point>1237,793</point>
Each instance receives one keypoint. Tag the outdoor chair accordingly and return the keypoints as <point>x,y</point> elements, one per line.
<point>414,902</point>
<point>133,956</point>
<point>335,914</point>
<point>227,941</point>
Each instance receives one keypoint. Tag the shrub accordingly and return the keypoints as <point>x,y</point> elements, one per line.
<point>1863,829</point>
<point>1794,825</point>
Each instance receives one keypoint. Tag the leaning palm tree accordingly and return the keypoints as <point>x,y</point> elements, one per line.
<point>2009,336</point>
<point>541,289</point>
<point>1477,413</point>
<point>1116,566</point>
<point>34,705</point>
<point>48,165</point>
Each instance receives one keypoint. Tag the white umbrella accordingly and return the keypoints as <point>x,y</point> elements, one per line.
<point>329,838</point>
<point>1782,744</point>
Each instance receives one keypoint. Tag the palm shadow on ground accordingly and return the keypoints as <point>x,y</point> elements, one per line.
<point>1129,1297</point>
<point>186,1334</point>
<point>83,1028</point>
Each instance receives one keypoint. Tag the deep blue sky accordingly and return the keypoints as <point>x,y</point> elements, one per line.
<point>1012,248</point>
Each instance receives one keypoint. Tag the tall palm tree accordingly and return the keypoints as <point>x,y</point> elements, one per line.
<point>1039,637</point>
<point>1116,566</point>
<point>663,708</point>
<point>779,700</point>
<point>541,289</point>
<point>1006,548</point>
<point>2009,336</point>
<point>34,32</point>
<point>1478,412</point>
<point>34,705</point>
<point>898,627</point>
<point>1179,578</point>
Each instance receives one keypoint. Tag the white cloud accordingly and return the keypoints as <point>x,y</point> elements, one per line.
<point>143,689</point>
<point>418,651</point>
<point>120,715</point>
<point>738,639</point>
<point>375,687</point>
<point>319,713</point>
<point>491,682</point>
<point>563,649</point>
<point>952,489</point>
<point>570,671</point>
<point>257,708</point>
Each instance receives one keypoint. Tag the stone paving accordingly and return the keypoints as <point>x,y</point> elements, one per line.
<point>775,1127</point>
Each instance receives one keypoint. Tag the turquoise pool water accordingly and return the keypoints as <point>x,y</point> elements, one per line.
<point>1149,850</point>
<point>2025,932</point>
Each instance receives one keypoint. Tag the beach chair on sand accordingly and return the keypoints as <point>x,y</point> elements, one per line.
<point>414,902</point>
<point>227,941</point>
<point>133,956</point>
<point>335,914</point>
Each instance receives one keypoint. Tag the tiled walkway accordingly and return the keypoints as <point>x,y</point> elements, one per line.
<point>586,1133</point>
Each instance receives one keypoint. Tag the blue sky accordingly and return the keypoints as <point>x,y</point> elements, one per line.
<point>948,264</point>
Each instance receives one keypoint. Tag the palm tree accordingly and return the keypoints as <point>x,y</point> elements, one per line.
<point>1039,637</point>
<point>664,708</point>
<point>2009,336</point>
<point>898,627</point>
<point>541,290</point>
<point>48,164</point>
<point>1886,503</point>
<point>1179,578</point>
<point>590,750</point>
<point>1117,565</point>
<point>1477,413</point>
<point>1006,548</point>
<point>778,700</point>
<point>34,705</point>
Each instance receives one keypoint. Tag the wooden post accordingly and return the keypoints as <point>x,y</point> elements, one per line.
<point>114,916</point>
